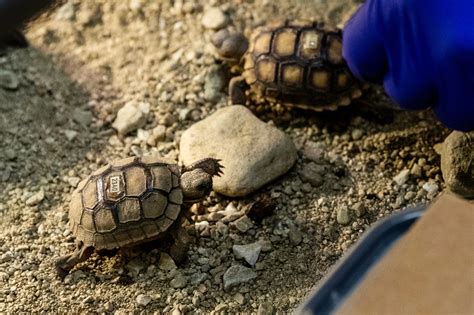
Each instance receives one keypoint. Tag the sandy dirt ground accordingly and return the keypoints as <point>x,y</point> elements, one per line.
<point>86,60</point>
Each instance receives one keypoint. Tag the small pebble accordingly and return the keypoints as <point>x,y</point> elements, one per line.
<point>343,216</point>
<point>66,12</point>
<point>8,80</point>
<point>73,181</point>
<point>236,275</point>
<point>70,134</point>
<point>431,188</point>
<point>357,134</point>
<point>35,199</point>
<point>416,171</point>
<point>214,19</point>
<point>402,177</point>
<point>242,224</point>
<point>239,298</point>
<point>82,117</point>
<point>166,262</point>
<point>265,309</point>
<point>313,151</point>
<point>131,117</point>
<point>249,252</point>
<point>312,173</point>
<point>179,281</point>
<point>359,209</point>
<point>143,299</point>
<point>295,236</point>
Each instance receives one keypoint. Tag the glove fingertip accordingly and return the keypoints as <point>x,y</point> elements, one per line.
<point>361,49</point>
<point>455,118</point>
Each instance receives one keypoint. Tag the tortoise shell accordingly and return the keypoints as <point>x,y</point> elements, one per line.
<point>299,65</point>
<point>126,202</point>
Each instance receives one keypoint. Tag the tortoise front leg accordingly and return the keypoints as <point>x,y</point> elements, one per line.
<point>180,246</point>
<point>65,263</point>
<point>237,87</point>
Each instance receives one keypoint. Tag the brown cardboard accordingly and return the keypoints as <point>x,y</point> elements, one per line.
<point>429,271</point>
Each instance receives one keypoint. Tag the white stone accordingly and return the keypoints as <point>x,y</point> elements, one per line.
<point>166,262</point>
<point>66,12</point>
<point>159,133</point>
<point>357,134</point>
<point>35,199</point>
<point>70,134</point>
<point>343,216</point>
<point>431,187</point>
<point>252,152</point>
<point>214,19</point>
<point>73,181</point>
<point>143,299</point>
<point>402,177</point>
<point>135,5</point>
<point>131,117</point>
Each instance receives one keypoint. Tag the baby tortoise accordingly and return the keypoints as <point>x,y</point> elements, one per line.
<point>289,63</point>
<point>132,201</point>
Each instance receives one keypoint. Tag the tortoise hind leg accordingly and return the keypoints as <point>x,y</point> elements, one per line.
<point>65,263</point>
<point>237,87</point>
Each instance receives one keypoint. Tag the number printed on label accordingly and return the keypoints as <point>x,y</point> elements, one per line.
<point>115,184</point>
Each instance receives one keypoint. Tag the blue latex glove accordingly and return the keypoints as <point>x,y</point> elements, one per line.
<point>421,50</point>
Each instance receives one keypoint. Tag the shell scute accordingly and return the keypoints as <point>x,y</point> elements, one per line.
<point>154,205</point>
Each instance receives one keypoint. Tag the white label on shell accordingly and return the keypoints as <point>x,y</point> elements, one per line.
<point>115,184</point>
<point>311,41</point>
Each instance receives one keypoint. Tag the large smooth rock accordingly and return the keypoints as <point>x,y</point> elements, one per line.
<point>252,152</point>
<point>457,163</point>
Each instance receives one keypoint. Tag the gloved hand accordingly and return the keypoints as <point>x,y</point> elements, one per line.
<point>421,50</point>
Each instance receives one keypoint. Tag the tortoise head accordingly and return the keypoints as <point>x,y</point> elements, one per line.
<point>196,179</point>
<point>230,46</point>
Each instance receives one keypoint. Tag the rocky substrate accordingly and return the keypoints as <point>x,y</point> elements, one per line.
<point>106,80</point>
